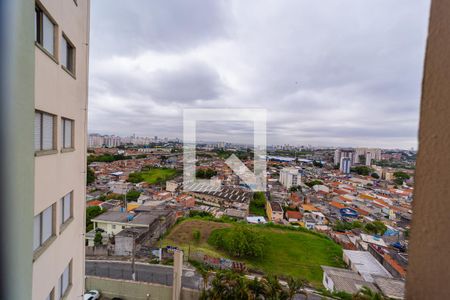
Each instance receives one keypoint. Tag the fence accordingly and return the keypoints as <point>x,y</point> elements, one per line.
<point>124,272</point>
<point>130,290</point>
<point>216,262</point>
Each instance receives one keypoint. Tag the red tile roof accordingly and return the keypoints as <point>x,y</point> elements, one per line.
<point>337,204</point>
<point>293,214</point>
<point>93,203</point>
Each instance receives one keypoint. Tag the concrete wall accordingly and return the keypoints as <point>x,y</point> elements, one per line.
<point>131,290</point>
<point>429,256</point>
<point>101,250</point>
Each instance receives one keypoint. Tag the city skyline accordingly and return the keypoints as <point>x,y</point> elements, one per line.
<point>210,142</point>
<point>331,76</point>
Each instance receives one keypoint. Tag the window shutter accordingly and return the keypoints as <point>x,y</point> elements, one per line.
<point>37,232</point>
<point>47,223</point>
<point>47,132</point>
<point>48,34</point>
<point>37,131</point>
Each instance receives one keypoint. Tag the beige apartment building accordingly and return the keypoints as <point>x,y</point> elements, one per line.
<point>61,80</point>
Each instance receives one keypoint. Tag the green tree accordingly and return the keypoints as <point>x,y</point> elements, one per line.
<point>258,204</point>
<point>375,175</point>
<point>317,164</point>
<point>228,285</point>
<point>204,273</point>
<point>406,233</point>
<point>345,226</point>
<point>296,286</point>
<point>98,239</point>
<point>400,177</point>
<point>239,241</point>
<point>135,177</point>
<point>367,294</point>
<point>205,173</point>
<point>90,176</point>
<point>200,213</point>
<point>256,288</point>
<point>196,235</point>
<point>313,183</point>
<point>362,170</point>
<point>273,289</point>
<point>92,212</point>
<point>133,195</point>
<point>376,227</point>
<point>295,188</point>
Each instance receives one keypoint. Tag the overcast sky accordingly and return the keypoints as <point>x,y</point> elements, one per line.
<point>338,72</point>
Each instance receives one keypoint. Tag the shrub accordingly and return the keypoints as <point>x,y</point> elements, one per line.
<point>198,213</point>
<point>92,212</point>
<point>205,173</point>
<point>258,204</point>
<point>239,241</point>
<point>196,235</point>
<point>98,238</point>
<point>135,177</point>
<point>133,195</point>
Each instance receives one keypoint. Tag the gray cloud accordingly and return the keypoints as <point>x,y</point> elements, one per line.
<point>328,72</point>
<point>125,27</point>
<point>191,81</point>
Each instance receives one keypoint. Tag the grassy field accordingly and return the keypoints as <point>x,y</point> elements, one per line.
<point>288,252</point>
<point>158,175</point>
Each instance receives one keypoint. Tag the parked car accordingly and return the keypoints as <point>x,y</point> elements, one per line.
<point>92,295</point>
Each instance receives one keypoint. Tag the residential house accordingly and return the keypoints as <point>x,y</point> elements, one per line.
<point>337,279</point>
<point>365,264</point>
<point>274,211</point>
<point>293,216</point>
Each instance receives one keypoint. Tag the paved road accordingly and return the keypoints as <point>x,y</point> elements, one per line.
<point>144,272</point>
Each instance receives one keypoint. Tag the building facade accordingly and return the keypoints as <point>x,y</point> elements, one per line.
<point>290,177</point>
<point>348,153</point>
<point>368,155</point>
<point>61,81</point>
<point>345,165</point>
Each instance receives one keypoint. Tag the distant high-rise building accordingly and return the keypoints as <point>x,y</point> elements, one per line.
<point>368,155</point>
<point>346,163</point>
<point>290,177</point>
<point>95,141</point>
<point>112,141</point>
<point>340,153</point>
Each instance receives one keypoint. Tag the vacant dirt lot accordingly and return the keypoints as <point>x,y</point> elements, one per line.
<point>182,233</point>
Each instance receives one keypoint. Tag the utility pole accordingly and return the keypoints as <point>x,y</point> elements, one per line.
<point>133,253</point>
<point>177,274</point>
<point>125,200</point>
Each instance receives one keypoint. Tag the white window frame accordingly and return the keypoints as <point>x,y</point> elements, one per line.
<point>40,217</point>
<point>63,290</point>
<point>64,122</point>
<point>68,54</point>
<point>63,206</point>
<point>40,134</point>
<point>40,12</point>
